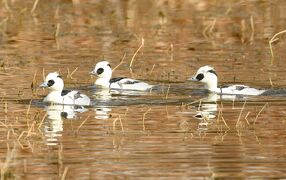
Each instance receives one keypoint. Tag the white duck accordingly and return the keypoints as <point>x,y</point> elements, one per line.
<point>60,96</point>
<point>208,76</point>
<point>104,73</point>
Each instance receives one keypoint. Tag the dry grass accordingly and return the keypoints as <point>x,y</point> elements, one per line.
<point>143,118</point>
<point>65,173</point>
<point>34,6</point>
<point>240,114</point>
<point>136,52</point>
<point>114,123</point>
<point>272,40</point>
<point>121,61</point>
<point>260,113</point>
<point>83,122</point>
<point>208,30</point>
<point>70,74</point>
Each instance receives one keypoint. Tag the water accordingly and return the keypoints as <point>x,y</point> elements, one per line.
<point>175,131</point>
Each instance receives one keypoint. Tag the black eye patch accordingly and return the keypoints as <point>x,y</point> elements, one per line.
<point>99,71</point>
<point>200,77</point>
<point>51,82</point>
<point>212,71</point>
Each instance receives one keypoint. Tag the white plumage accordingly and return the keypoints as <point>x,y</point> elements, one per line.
<point>104,73</point>
<point>60,96</point>
<point>208,76</point>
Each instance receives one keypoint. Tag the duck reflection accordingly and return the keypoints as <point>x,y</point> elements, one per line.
<point>207,108</point>
<point>56,113</point>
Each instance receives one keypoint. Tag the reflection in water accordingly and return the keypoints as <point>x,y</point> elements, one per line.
<point>54,125</point>
<point>102,94</point>
<point>102,112</point>
<point>207,111</point>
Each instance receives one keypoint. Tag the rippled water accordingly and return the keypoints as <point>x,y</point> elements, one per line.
<point>175,131</point>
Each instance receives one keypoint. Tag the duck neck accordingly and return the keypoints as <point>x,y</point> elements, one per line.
<point>103,81</point>
<point>212,86</point>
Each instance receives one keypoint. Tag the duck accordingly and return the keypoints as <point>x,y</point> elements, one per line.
<point>208,76</point>
<point>58,95</point>
<point>104,73</point>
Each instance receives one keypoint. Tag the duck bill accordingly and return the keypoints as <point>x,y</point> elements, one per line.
<point>44,84</point>
<point>192,79</point>
<point>93,73</point>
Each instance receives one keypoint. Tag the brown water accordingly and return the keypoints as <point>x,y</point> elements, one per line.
<point>168,133</point>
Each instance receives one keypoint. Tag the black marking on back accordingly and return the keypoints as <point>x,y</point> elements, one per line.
<point>200,77</point>
<point>225,86</point>
<point>109,65</point>
<point>212,71</point>
<point>132,82</point>
<point>77,95</point>
<point>113,80</point>
<point>65,92</point>
<point>59,76</point>
<point>239,88</point>
<point>51,82</point>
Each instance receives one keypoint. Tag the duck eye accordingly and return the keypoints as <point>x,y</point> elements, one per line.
<point>99,71</point>
<point>199,77</point>
<point>51,82</point>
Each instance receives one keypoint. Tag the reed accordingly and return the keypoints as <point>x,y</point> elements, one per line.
<point>42,121</point>
<point>83,122</point>
<point>252,29</point>
<point>69,75</point>
<point>143,118</point>
<point>260,113</point>
<point>6,5</point>
<point>247,117</point>
<point>167,93</point>
<point>57,31</point>
<point>121,124</point>
<point>270,81</point>
<point>121,61</point>
<point>272,40</point>
<point>238,119</point>
<point>136,52</point>
<point>221,116</point>
<point>65,173</point>
<point>34,6</point>
<point>209,29</point>
<point>152,69</point>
